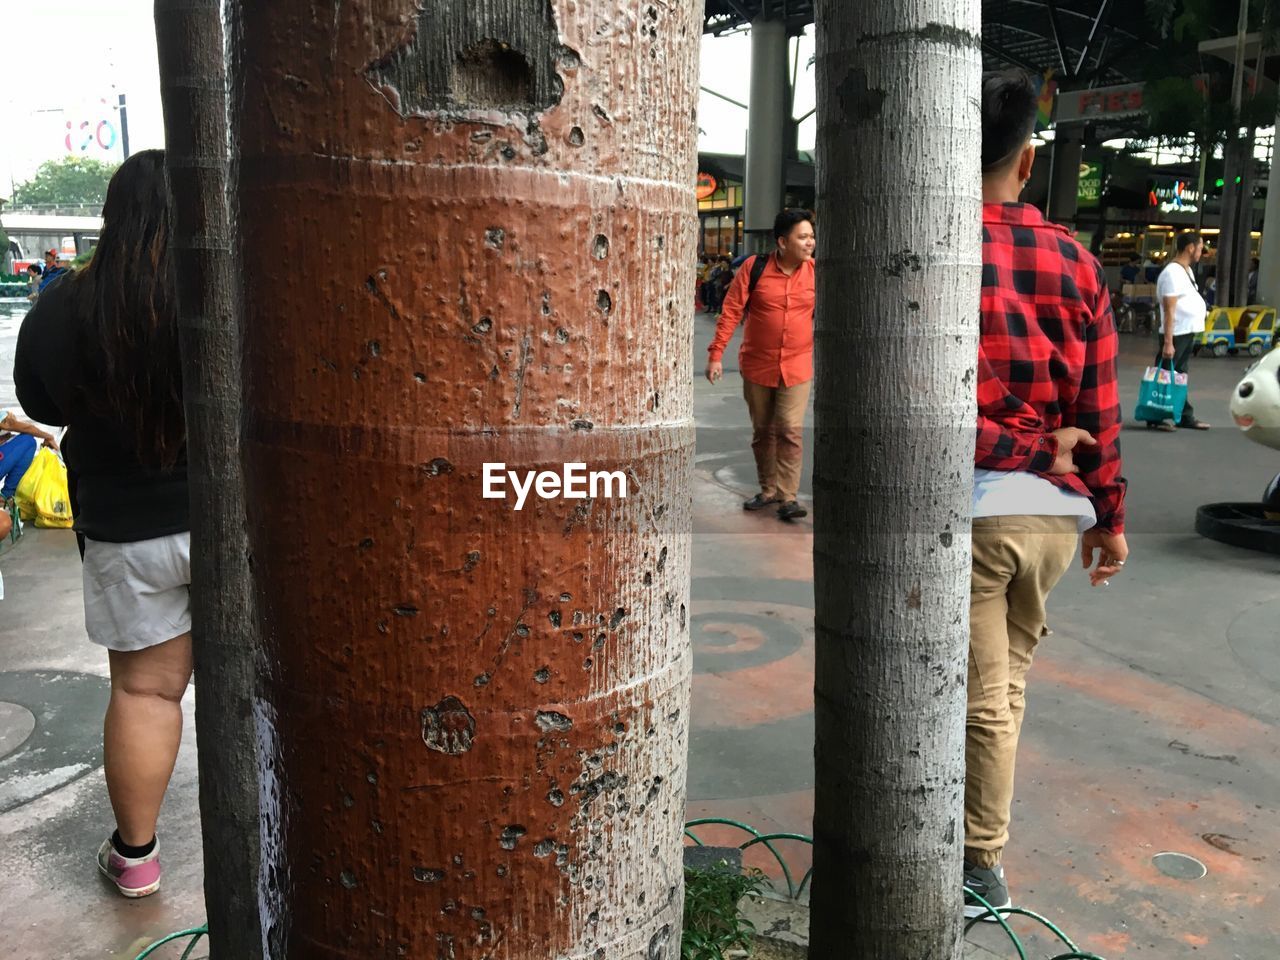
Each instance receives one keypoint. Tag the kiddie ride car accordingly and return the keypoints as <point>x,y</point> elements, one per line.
<point>1255,407</point>
<point>1230,329</point>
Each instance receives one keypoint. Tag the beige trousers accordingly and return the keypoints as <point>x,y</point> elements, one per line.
<point>777,435</point>
<point>1017,561</point>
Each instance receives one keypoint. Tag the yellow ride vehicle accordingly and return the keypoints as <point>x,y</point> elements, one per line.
<point>1230,329</point>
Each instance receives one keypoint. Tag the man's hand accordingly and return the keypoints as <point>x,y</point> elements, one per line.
<point>1168,352</point>
<point>1111,549</point>
<point>1068,439</point>
<point>715,370</point>
<point>50,441</point>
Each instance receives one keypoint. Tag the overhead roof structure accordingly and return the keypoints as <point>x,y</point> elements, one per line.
<point>1085,42</point>
<point>724,16</point>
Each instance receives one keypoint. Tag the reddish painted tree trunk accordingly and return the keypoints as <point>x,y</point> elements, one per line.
<point>467,232</point>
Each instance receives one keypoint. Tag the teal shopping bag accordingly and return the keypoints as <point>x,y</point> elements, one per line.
<point>1162,395</point>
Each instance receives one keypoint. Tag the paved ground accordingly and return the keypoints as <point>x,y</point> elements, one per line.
<point>1151,724</point>
<point>1152,710</point>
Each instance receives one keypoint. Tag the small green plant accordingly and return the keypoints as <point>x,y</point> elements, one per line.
<point>712,924</point>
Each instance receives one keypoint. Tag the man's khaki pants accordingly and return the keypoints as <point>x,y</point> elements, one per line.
<point>1017,561</point>
<point>777,435</point>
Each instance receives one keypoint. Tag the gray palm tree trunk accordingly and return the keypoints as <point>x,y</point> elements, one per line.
<point>899,193</point>
<point>189,39</point>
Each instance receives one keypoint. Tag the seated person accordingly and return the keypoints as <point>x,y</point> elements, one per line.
<point>34,277</point>
<point>17,450</point>
<point>1129,272</point>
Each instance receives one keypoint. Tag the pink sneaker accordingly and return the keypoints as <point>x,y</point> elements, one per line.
<point>133,878</point>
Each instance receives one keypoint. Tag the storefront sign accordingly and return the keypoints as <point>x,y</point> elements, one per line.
<point>1100,103</point>
<point>707,186</point>
<point>1090,189</point>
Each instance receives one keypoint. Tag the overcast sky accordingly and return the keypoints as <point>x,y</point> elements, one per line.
<point>73,60</point>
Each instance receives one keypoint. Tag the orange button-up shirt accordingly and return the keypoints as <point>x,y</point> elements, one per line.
<point>777,340</point>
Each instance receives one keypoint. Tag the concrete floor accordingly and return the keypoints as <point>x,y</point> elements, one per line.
<point>1151,721</point>
<point>1151,710</point>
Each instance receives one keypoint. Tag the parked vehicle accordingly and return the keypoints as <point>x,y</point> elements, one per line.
<point>1231,329</point>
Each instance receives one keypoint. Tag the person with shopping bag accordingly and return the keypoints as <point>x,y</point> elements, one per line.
<point>99,354</point>
<point>1182,313</point>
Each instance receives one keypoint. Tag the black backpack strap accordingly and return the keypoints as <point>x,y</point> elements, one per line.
<point>757,269</point>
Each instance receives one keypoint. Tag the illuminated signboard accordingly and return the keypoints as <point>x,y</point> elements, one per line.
<point>707,185</point>
<point>1173,196</point>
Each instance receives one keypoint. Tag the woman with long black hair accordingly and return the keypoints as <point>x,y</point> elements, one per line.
<point>99,354</point>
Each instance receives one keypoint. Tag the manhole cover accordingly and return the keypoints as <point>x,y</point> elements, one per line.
<point>1180,866</point>
<point>16,724</point>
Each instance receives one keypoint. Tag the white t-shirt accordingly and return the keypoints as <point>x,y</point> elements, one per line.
<point>1188,316</point>
<point>1016,493</point>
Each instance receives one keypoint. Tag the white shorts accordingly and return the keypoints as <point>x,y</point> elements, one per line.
<point>137,594</point>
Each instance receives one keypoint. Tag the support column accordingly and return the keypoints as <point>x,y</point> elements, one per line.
<point>1244,220</point>
<point>767,130</point>
<point>1269,257</point>
<point>1228,258</point>
<point>1064,188</point>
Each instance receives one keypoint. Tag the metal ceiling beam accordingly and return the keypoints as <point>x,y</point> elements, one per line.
<point>1102,52</point>
<point>1100,68</point>
<point>1010,57</point>
<point>1103,10</point>
<point>1057,37</point>
<point>1063,12</point>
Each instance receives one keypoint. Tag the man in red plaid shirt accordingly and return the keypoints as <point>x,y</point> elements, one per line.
<point>1047,459</point>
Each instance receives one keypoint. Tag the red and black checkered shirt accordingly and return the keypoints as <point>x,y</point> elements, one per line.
<point>1047,357</point>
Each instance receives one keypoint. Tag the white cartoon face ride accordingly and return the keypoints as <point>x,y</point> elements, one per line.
<point>1255,404</point>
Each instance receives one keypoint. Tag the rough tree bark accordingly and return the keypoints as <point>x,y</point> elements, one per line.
<point>189,40</point>
<point>1232,260</point>
<point>898,279</point>
<point>1243,221</point>
<point>468,231</point>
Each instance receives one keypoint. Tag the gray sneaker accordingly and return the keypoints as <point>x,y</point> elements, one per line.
<point>990,886</point>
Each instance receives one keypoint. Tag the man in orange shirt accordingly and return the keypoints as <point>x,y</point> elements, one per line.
<point>775,292</point>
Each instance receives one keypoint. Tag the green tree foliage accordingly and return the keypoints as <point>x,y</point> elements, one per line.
<point>1190,19</point>
<point>1177,106</point>
<point>68,180</point>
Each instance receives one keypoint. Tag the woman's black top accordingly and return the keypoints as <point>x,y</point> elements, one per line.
<point>116,498</point>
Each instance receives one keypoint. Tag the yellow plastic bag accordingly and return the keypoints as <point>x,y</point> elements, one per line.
<point>42,494</point>
<point>25,495</point>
